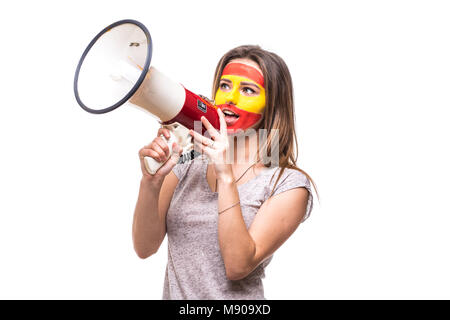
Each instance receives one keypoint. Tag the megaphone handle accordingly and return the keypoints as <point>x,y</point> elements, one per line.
<point>151,164</point>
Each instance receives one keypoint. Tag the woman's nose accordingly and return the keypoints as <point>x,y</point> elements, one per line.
<point>233,96</point>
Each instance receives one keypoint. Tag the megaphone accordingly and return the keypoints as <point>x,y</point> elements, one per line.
<point>115,69</point>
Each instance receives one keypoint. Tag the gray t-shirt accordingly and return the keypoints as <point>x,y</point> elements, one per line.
<point>195,268</point>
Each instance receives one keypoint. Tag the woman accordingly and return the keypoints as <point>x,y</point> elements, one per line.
<point>223,220</point>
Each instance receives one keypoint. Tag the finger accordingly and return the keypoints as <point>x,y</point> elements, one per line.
<point>155,147</point>
<point>175,154</point>
<point>150,153</point>
<point>209,127</point>
<point>172,162</point>
<point>201,139</point>
<point>201,148</point>
<point>223,123</point>
<point>163,145</point>
<point>165,132</point>
<point>176,148</point>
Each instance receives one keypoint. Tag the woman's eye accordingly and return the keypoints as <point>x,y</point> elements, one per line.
<point>248,90</point>
<point>224,86</point>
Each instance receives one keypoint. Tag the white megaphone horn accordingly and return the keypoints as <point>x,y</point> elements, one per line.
<point>115,69</point>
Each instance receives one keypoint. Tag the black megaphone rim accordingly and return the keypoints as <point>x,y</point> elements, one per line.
<point>136,85</point>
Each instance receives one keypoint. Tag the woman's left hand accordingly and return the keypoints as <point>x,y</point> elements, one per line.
<point>216,148</point>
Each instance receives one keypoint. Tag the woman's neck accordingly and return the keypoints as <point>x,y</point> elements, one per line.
<point>243,150</point>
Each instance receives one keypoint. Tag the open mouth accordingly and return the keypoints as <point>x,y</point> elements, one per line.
<point>230,113</point>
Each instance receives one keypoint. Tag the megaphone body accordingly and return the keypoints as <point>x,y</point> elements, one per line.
<point>115,69</point>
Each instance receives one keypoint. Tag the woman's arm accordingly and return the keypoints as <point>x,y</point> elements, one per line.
<point>149,222</point>
<point>155,194</point>
<point>243,250</point>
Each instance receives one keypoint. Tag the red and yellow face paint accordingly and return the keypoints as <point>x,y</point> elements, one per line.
<point>241,92</point>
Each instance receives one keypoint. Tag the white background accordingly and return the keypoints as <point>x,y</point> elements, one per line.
<point>372,100</point>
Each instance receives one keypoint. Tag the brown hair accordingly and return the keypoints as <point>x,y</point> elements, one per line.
<point>279,110</point>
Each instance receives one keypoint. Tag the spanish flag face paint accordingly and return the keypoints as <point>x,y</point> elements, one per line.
<point>241,96</point>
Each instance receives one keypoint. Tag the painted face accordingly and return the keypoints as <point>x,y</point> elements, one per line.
<point>241,96</point>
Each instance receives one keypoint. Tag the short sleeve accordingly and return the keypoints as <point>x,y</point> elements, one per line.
<point>180,170</point>
<point>291,179</point>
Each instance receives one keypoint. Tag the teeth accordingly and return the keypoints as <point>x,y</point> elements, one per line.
<point>229,113</point>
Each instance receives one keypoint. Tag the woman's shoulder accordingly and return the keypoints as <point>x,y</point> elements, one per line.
<point>290,179</point>
<point>186,165</point>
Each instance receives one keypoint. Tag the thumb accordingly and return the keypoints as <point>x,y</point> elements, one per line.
<point>176,153</point>
<point>173,160</point>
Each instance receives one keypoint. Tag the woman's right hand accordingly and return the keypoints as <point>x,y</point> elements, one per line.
<point>159,150</point>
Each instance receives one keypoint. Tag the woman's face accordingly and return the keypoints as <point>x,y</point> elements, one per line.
<point>241,94</point>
